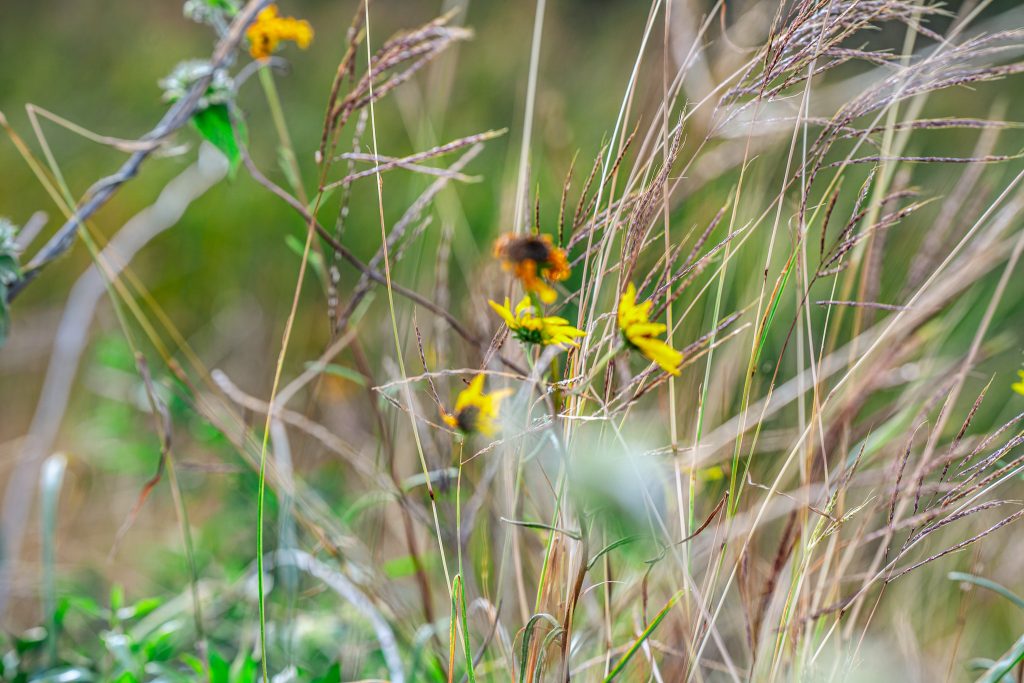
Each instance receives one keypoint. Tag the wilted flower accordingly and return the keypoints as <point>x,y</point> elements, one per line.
<point>475,411</point>
<point>177,84</point>
<point>533,259</point>
<point>1019,386</point>
<point>534,329</point>
<point>270,28</point>
<point>640,333</point>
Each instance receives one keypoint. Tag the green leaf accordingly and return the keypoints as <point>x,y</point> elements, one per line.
<point>193,662</point>
<point>161,645</point>
<point>1001,670</point>
<point>214,124</point>
<point>86,605</point>
<point>219,670</point>
<point>528,635</point>
<point>341,371</point>
<point>333,675</point>
<point>316,260</point>
<point>116,598</point>
<point>9,268</point>
<point>243,669</point>
<point>989,584</point>
<point>144,607</point>
<point>621,664</point>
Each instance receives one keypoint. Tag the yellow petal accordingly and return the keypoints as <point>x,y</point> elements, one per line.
<point>546,294</point>
<point>505,313</point>
<point>645,330</point>
<point>471,394</point>
<point>661,353</point>
<point>523,306</point>
<point>626,302</point>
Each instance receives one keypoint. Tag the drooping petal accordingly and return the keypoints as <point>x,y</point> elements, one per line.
<point>505,313</point>
<point>667,358</point>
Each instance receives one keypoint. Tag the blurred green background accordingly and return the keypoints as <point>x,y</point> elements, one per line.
<point>225,273</point>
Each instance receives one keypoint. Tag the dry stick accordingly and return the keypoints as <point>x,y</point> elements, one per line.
<point>176,116</point>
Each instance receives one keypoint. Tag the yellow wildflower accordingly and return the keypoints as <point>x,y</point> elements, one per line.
<point>270,28</point>
<point>475,411</point>
<point>640,333</point>
<point>1019,386</point>
<point>534,329</point>
<point>533,259</point>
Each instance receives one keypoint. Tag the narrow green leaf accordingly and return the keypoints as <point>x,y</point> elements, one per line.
<point>459,599</point>
<point>316,260</point>
<point>1005,666</point>
<point>552,634</point>
<point>621,664</point>
<point>341,371</point>
<point>989,584</point>
<point>528,635</point>
<point>610,547</point>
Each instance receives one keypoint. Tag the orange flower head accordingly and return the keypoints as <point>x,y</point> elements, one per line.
<point>535,261</point>
<point>270,29</point>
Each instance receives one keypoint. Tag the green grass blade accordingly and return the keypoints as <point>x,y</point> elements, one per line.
<point>528,635</point>
<point>621,664</point>
<point>989,584</point>
<point>1005,665</point>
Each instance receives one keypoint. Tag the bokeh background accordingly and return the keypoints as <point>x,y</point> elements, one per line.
<point>225,272</point>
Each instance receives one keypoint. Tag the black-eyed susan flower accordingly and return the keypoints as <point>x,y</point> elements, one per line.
<point>535,261</point>
<point>270,28</point>
<point>641,334</point>
<point>1019,386</point>
<point>530,328</point>
<point>475,411</point>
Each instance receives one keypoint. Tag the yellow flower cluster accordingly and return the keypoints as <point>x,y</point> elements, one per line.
<point>530,328</point>
<point>535,261</point>
<point>270,29</point>
<point>1019,386</point>
<point>640,333</point>
<point>475,411</point>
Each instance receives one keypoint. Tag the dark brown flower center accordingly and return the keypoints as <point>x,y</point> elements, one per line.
<point>523,248</point>
<point>468,418</point>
